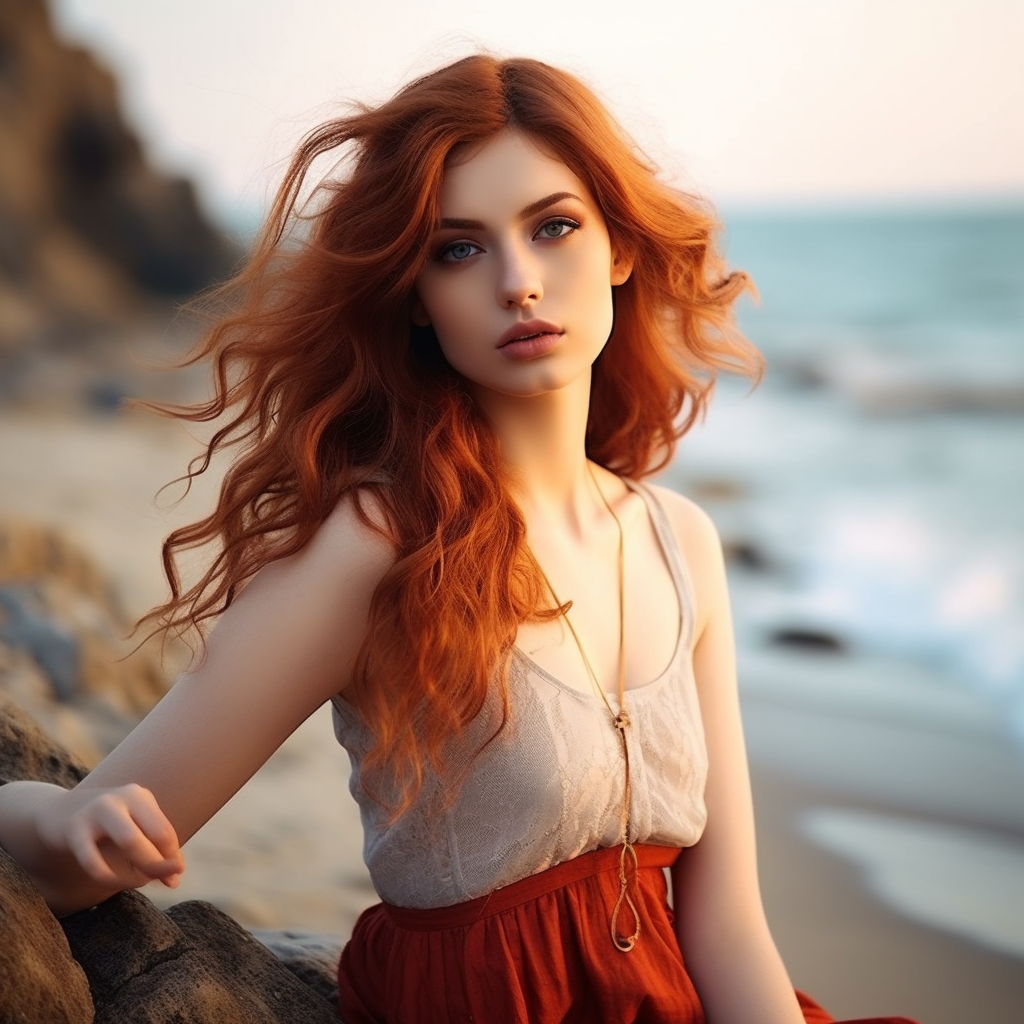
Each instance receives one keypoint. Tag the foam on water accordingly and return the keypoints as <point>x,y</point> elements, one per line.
<point>957,879</point>
<point>879,481</point>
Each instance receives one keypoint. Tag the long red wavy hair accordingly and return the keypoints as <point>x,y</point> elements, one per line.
<point>328,389</point>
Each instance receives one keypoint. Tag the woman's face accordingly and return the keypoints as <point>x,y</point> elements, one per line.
<point>518,284</point>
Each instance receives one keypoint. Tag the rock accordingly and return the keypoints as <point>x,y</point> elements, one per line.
<point>716,489</point>
<point>807,639</point>
<point>63,655</point>
<point>40,980</point>
<point>747,554</point>
<point>193,963</point>
<point>311,956</point>
<point>52,647</point>
<point>92,239</point>
<point>125,961</point>
<point>26,752</point>
<point>277,992</point>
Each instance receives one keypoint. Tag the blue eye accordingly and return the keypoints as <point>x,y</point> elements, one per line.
<point>456,252</point>
<point>559,227</point>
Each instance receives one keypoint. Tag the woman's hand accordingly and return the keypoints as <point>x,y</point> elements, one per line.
<point>119,837</point>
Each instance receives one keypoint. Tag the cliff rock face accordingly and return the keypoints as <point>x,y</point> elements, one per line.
<point>88,231</point>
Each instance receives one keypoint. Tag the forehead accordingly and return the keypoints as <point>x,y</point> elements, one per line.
<point>502,175</point>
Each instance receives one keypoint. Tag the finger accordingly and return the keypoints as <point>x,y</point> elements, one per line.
<point>157,828</point>
<point>108,827</point>
<point>134,822</point>
<point>133,874</point>
<point>125,842</point>
<point>83,845</point>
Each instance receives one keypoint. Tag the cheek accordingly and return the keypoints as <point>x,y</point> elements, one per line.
<point>602,316</point>
<point>453,334</point>
<point>447,304</point>
<point>590,269</point>
<point>592,294</point>
<point>449,307</point>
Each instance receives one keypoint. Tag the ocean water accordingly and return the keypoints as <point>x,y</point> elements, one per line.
<point>874,483</point>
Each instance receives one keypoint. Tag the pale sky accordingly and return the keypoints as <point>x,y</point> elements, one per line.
<point>747,100</point>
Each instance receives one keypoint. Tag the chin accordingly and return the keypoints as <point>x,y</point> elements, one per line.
<point>538,387</point>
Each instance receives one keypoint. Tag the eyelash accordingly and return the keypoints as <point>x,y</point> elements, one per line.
<point>442,255</point>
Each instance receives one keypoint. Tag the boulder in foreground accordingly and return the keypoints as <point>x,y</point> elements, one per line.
<point>125,961</point>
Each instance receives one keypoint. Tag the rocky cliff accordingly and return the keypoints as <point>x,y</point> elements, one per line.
<point>90,233</point>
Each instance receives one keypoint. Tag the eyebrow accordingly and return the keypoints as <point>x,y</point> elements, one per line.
<point>524,213</point>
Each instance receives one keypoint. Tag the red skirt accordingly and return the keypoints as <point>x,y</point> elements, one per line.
<point>530,953</point>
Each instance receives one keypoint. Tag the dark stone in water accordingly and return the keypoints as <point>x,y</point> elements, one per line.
<point>748,555</point>
<point>808,640</point>
<point>106,396</point>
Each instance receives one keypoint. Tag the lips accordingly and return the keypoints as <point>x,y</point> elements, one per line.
<point>527,330</point>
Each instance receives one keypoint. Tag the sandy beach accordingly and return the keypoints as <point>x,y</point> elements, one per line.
<point>890,814</point>
<point>891,840</point>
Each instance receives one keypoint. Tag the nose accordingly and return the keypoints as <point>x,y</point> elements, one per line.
<point>520,279</point>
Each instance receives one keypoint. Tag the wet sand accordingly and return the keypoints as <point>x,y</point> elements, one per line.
<point>830,739</point>
<point>861,925</point>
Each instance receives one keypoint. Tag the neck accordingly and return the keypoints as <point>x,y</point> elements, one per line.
<point>543,444</point>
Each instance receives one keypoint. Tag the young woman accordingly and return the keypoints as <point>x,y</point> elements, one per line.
<point>447,369</point>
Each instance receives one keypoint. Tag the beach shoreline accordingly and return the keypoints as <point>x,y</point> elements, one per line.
<point>867,922</point>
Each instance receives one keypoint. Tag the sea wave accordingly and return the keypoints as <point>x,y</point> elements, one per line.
<point>882,383</point>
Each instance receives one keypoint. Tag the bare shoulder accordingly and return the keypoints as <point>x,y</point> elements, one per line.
<point>346,550</point>
<point>701,548</point>
<point>309,610</point>
<point>693,528</point>
<point>689,520</point>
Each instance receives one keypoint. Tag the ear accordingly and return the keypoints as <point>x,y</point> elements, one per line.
<point>622,267</point>
<point>419,312</point>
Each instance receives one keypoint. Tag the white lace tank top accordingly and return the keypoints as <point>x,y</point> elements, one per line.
<point>549,787</point>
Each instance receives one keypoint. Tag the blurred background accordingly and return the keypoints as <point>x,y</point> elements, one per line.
<point>867,159</point>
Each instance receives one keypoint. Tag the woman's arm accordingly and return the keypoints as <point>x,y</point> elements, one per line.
<point>287,644</point>
<point>726,944</point>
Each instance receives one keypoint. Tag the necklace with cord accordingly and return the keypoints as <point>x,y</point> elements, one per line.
<point>620,722</point>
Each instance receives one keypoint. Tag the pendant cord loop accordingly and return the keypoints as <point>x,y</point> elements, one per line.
<point>624,943</point>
